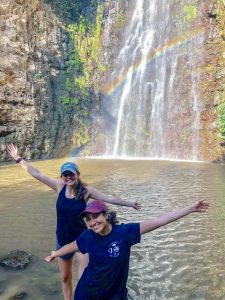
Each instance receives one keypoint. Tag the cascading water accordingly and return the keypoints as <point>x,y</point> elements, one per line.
<point>154,100</point>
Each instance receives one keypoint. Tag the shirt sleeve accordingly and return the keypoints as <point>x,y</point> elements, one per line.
<point>82,242</point>
<point>131,233</point>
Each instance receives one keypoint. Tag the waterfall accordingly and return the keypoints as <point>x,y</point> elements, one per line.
<point>154,101</point>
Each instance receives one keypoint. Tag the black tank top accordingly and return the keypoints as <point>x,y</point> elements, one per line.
<point>69,224</point>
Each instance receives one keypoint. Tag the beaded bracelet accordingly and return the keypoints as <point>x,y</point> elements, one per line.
<point>19,160</point>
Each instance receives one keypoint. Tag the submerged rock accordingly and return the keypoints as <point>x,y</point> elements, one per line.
<point>17,259</point>
<point>19,295</point>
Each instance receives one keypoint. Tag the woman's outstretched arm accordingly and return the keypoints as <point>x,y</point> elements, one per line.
<point>149,225</point>
<point>95,194</point>
<point>51,182</point>
<point>69,248</point>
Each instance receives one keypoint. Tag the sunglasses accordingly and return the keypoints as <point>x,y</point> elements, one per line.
<point>67,174</point>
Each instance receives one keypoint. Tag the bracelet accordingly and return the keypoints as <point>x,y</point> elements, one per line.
<point>19,160</point>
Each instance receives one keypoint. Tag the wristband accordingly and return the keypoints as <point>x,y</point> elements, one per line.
<point>19,160</point>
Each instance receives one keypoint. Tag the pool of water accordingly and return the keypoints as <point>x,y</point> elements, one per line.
<point>183,260</point>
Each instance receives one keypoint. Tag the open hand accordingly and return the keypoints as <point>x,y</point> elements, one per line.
<point>200,206</point>
<point>13,151</point>
<point>137,205</point>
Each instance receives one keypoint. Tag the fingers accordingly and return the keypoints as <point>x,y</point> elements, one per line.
<point>11,148</point>
<point>137,205</point>
<point>49,258</point>
<point>202,206</point>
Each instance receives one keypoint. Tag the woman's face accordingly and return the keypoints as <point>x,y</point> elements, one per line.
<point>98,223</point>
<point>69,178</point>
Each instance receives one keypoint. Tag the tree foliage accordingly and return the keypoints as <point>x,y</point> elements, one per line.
<point>84,61</point>
<point>70,10</point>
<point>190,12</point>
<point>221,121</point>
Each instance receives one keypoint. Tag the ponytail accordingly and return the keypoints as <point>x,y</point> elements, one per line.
<point>80,190</point>
<point>112,218</point>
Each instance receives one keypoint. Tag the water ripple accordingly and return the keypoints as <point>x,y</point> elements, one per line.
<point>183,260</point>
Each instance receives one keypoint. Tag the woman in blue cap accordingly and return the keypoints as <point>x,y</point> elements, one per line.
<point>73,196</point>
<point>108,246</point>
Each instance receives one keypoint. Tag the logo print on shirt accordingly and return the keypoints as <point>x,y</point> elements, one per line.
<point>114,249</point>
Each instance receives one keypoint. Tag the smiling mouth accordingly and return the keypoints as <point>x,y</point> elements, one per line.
<point>96,226</point>
<point>70,180</point>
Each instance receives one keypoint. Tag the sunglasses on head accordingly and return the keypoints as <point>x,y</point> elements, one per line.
<point>67,173</point>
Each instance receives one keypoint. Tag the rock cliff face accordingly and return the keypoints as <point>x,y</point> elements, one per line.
<point>33,43</point>
<point>34,55</point>
<point>213,80</point>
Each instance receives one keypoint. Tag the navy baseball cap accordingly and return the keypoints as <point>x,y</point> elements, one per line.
<point>70,166</point>
<point>94,207</point>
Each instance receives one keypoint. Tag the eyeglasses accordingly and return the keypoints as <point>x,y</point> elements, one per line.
<point>68,174</point>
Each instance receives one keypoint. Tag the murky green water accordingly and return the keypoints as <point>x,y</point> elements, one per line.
<point>184,260</point>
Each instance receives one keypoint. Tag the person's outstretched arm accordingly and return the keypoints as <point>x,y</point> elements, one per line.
<point>95,194</point>
<point>51,182</point>
<point>69,248</point>
<point>149,225</point>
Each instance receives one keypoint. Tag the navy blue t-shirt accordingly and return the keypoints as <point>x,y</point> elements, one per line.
<point>69,224</point>
<point>106,275</point>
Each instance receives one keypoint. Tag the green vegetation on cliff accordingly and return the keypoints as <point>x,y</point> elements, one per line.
<point>190,12</point>
<point>221,121</point>
<point>84,65</point>
<point>85,59</point>
<point>70,10</point>
<point>219,13</point>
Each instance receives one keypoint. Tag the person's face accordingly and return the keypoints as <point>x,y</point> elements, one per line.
<point>97,222</point>
<point>69,178</point>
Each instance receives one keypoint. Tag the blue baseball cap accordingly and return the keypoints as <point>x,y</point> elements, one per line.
<point>70,166</point>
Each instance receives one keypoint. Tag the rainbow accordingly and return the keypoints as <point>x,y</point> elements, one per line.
<point>171,45</point>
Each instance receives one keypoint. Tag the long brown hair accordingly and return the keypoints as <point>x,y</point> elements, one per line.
<point>80,189</point>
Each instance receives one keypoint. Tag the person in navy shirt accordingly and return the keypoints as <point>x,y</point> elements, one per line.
<point>73,196</point>
<point>109,246</point>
